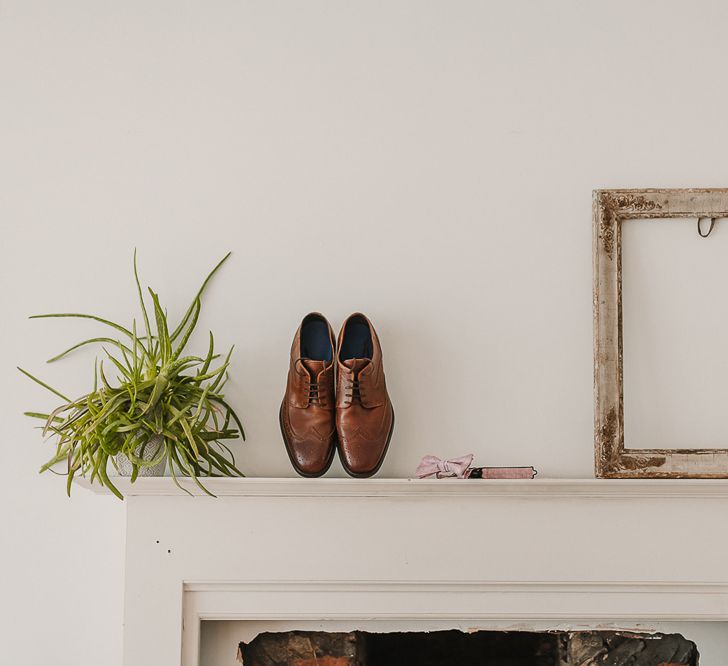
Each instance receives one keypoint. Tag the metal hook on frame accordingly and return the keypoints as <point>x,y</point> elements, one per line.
<point>710,228</point>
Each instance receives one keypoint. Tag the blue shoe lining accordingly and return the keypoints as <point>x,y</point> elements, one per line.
<point>357,340</point>
<point>315,341</point>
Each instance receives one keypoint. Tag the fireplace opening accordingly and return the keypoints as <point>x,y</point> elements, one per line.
<point>458,648</point>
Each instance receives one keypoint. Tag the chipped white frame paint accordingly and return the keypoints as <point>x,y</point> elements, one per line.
<point>612,208</point>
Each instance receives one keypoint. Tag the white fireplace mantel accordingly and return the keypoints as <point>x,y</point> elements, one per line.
<point>458,553</point>
<point>425,489</point>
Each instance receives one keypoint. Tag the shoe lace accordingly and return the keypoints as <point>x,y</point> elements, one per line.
<point>353,391</point>
<point>316,391</point>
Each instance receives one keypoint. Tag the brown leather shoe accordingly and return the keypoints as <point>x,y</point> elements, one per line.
<point>307,416</point>
<point>364,414</point>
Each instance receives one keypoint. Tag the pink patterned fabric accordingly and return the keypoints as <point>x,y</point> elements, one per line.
<point>506,472</point>
<point>460,468</point>
<point>434,466</point>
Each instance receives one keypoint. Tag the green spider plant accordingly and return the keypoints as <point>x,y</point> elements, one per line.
<point>161,403</point>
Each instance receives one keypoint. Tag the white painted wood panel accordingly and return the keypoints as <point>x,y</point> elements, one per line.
<point>424,489</point>
<point>428,557</point>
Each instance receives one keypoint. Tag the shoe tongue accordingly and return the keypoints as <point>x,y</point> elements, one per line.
<point>313,367</point>
<point>356,364</point>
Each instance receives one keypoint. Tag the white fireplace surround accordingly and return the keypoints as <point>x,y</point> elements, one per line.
<point>468,554</point>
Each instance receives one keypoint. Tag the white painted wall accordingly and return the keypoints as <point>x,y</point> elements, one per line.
<point>430,163</point>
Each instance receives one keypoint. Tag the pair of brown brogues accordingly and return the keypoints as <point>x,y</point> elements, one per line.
<point>336,395</point>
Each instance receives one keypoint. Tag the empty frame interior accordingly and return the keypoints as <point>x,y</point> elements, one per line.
<point>675,310</point>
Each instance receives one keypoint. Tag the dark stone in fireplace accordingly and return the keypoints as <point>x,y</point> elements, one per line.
<point>478,648</point>
<point>303,648</point>
<point>618,649</point>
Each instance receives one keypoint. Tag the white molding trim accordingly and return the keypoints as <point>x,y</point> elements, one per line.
<point>425,488</point>
<point>471,602</point>
<point>460,586</point>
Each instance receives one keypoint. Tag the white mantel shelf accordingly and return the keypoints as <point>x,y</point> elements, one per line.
<point>419,488</point>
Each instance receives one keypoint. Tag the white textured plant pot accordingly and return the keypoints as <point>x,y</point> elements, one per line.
<point>152,451</point>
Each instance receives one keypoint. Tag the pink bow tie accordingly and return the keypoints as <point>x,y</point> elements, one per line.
<point>434,466</point>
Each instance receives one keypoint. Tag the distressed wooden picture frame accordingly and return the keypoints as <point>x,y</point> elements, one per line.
<point>611,208</point>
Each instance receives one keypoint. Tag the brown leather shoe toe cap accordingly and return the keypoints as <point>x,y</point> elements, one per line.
<point>362,451</point>
<point>310,451</point>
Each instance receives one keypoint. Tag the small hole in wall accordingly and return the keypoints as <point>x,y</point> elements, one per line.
<point>169,551</point>
<point>157,540</point>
